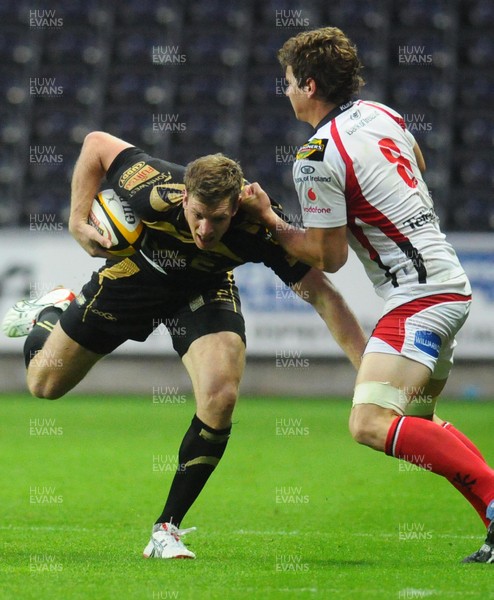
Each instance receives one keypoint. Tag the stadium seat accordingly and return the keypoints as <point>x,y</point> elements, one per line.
<point>109,67</point>
<point>148,12</point>
<point>14,85</point>
<point>420,88</point>
<point>266,83</point>
<point>477,14</point>
<point>269,126</point>
<point>139,83</point>
<point>17,46</point>
<point>216,13</point>
<point>265,43</point>
<point>424,49</point>
<point>73,45</point>
<point>476,50</point>
<point>212,86</point>
<point>201,48</point>
<point>372,51</point>
<point>472,210</point>
<point>475,129</point>
<point>69,123</point>
<point>91,13</point>
<point>143,45</point>
<point>357,13</point>
<point>50,162</point>
<point>424,14</point>
<point>133,123</point>
<point>477,89</point>
<point>53,200</point>
<point>67,84</point>
<point>474,170</point>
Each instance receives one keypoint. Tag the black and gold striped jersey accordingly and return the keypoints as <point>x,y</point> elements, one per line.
<point>154,189</point>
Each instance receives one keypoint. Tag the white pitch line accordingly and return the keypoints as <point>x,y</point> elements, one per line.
<point>238,532</point>
<point>364,534</point>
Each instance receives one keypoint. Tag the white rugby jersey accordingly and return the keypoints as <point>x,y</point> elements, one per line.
<point>359,170</point>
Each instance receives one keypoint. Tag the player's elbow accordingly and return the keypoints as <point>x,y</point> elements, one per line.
<point>333,261</point>
<point>95,139</point>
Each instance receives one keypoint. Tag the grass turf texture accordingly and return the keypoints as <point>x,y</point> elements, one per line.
<point>295,509</point>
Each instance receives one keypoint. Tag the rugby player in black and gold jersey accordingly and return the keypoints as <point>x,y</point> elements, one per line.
<point>193,216</point>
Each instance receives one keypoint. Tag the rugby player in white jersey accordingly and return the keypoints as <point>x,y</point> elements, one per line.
<point>359,183</point>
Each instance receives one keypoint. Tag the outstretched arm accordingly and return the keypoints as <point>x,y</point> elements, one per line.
<point>318,290</point>
<point>97,154</point>
<point>325,249</point>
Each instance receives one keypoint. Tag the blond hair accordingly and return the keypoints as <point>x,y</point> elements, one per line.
<point>212,178</point>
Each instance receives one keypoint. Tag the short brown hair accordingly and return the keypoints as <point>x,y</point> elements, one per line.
<point>213,177</point>
<point>327,56</point>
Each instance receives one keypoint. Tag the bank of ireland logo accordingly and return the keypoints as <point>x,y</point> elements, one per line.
<point>428,342</point>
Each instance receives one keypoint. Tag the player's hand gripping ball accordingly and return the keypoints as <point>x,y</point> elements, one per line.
<point>115,220</point>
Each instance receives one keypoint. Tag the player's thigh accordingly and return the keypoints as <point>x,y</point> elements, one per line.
<point>424,405</point>
<point>215,363</point>
<point>208,333</point>
<point>396,370</point>
<point>60,365</point>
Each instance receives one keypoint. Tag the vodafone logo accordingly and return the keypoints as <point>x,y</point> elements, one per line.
<point>311,194</point>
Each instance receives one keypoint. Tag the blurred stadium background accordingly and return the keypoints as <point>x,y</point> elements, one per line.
<point>182,79</point>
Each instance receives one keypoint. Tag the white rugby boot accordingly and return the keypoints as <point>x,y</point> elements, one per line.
<point>165,542</point>
<point>20,319</point>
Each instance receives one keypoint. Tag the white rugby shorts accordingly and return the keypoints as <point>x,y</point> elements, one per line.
<point>423,330</point>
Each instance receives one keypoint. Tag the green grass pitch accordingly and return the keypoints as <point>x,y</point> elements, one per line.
<point>294,510</point>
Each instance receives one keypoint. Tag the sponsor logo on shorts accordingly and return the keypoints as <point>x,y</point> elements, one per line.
<point>106,315</point>
<point>428,342</point>
<point>80,299</point>
<point>196,303</point>
<point>313,150</point>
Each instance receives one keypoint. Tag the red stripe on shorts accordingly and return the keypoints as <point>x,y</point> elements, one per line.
<point>391,327</point>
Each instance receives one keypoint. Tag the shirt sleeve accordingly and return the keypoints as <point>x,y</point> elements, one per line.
<point>321,192</point>
<point>149,184</point>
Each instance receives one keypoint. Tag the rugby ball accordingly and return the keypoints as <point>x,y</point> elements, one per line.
<point>115,220</point>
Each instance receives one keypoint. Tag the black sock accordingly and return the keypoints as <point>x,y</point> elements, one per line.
<point>36,339</point>
<point>200,452</point>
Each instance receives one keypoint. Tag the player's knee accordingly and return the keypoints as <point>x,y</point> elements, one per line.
<point>362,431</point>
<point>374,405</point>
<point>221,400</point>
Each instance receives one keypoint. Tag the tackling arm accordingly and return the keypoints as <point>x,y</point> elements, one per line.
<point>97,153</point>
<point>316,289</point>
<point>325,249</point>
